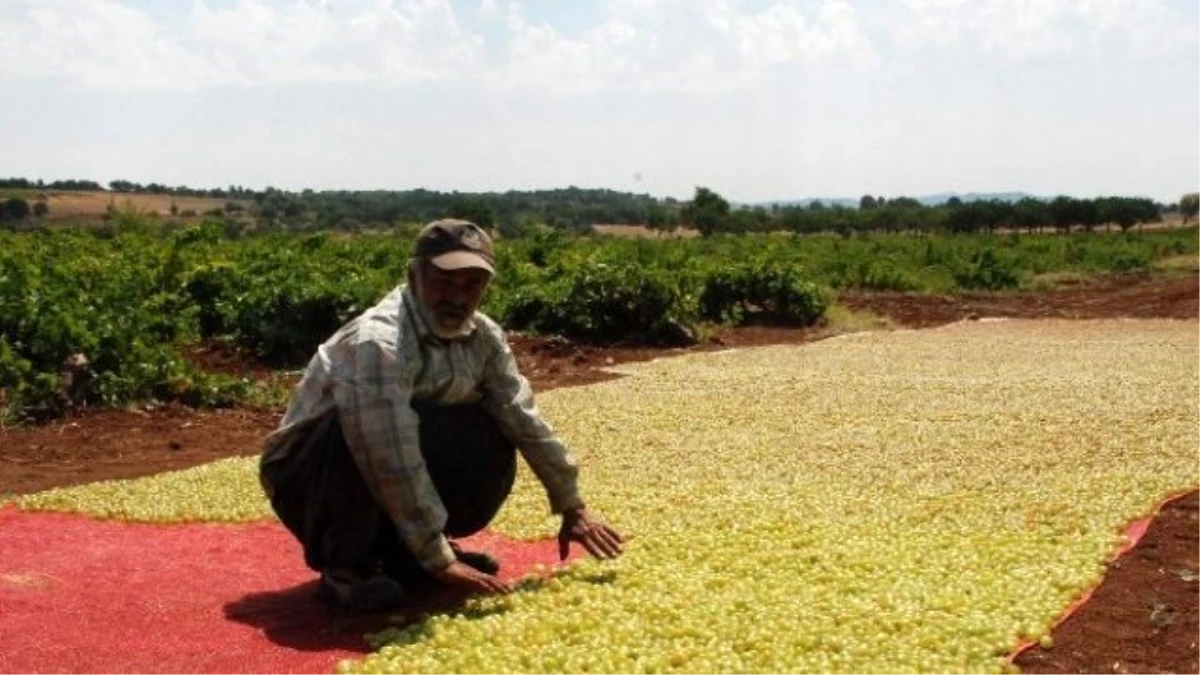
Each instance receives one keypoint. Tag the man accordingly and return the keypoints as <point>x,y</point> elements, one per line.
<point>403,432</point>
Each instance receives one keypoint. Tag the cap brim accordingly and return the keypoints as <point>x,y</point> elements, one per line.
<point>459,260</point>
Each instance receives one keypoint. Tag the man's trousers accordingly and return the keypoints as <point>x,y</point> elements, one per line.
<point>319,493</point>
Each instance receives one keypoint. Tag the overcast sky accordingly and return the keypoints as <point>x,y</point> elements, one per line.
<point>756,99</point>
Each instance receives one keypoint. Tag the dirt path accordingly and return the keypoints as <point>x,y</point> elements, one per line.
<point>1144,617</point>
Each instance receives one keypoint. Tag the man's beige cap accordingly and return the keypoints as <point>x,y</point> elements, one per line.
<point>456,244</point>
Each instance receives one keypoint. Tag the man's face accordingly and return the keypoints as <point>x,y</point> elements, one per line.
<point>451,296</point>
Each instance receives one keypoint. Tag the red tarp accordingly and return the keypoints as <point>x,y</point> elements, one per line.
<point>1133,534</point>
<point>81,595</point>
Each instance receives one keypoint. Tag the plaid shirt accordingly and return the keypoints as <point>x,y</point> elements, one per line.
<point>374,366</point>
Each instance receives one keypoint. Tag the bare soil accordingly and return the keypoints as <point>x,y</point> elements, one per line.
<point>68,205</point>
<point>1143,617</point>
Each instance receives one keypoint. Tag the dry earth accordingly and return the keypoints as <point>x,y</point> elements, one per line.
<point>92,205</point>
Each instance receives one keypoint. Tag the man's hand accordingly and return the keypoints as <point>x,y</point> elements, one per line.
<point>460,575</point>
<point>580,526</point>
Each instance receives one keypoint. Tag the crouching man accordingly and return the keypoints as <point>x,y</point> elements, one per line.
<point>403,434</point>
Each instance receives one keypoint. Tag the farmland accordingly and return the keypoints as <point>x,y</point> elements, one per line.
<point>75,207</point>
<point>871,459</point>
<point>132,298</point>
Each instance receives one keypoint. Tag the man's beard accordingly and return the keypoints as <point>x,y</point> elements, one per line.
<point>462,329</point>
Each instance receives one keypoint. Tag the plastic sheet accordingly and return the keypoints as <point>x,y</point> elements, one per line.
<point>1132,534</point>
<point>81,595</point>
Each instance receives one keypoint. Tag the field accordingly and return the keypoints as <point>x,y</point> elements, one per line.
<point>92,206</point>
<point>894,500</point>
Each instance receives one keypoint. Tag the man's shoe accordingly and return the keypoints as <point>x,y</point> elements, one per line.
<point>376,593</point>
<point>478,560</point>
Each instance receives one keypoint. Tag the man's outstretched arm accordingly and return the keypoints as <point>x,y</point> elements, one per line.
<point>582,527</point>
<point>510,400</point>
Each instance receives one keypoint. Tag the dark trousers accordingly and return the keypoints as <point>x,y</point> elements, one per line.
<point>319,494</point>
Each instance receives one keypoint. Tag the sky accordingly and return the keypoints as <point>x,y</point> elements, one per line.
<point>759,100</point>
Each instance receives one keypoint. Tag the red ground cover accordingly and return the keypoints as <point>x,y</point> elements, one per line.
<point>1133,533</point>
<point>81,595</point>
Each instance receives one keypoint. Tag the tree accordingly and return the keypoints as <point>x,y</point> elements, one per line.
<point>659,219</point>
<point>14,208</point>
<point>475,210</point>
<point>905,203</point>
<point>1031,214</point>
<point>1063,212</point>
<point>961,218</point>
<point>1189,205</point>
<point>1087,213</point>
<point>124,186</point>
<point>708,211</point>
<point>884,219</point>
<point>867,203</point>
<point>1126,211</point>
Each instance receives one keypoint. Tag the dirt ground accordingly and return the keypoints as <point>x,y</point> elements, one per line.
<point>1143,618</point>
<point>66,205</point>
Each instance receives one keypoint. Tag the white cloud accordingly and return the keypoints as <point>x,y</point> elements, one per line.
<point>103,43</point>
<point>687,45</point>
<point>677,45</point>
<point>638,45</point>
<point>1000,31</point>
<point>538,55</point>
<point>383,41</point>
<point>783,33</point>
<point>100,42</point>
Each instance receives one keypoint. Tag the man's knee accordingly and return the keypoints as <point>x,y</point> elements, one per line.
<point>471,462</point>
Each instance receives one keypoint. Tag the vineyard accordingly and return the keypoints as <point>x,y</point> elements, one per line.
<point>104,317</point>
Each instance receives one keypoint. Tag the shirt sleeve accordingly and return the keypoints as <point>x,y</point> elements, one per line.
<point>382,433</point>
<point>509,399</point>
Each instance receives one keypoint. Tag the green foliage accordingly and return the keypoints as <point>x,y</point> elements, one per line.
<point>870,273</point>
<point>14,208</point>
<point>65,295</point>
<point>987,271</point>
<point>1189,205</point>
<point>521,213</point>
<point>131,296</point>
<point>708,212</point>
<point>761,292</point>
<point>602,302</point>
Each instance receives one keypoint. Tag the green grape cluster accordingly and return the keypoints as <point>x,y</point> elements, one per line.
<point>226,490</point>
<point>910,501</point>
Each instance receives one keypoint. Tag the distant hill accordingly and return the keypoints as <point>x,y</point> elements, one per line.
<point>928,200</point>
<point>943,197</point>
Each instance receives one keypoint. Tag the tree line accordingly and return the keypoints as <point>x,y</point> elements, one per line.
<point>127,187</point>
<point>710,213</point>
<point>512,212</point>
<point>515,213</point>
